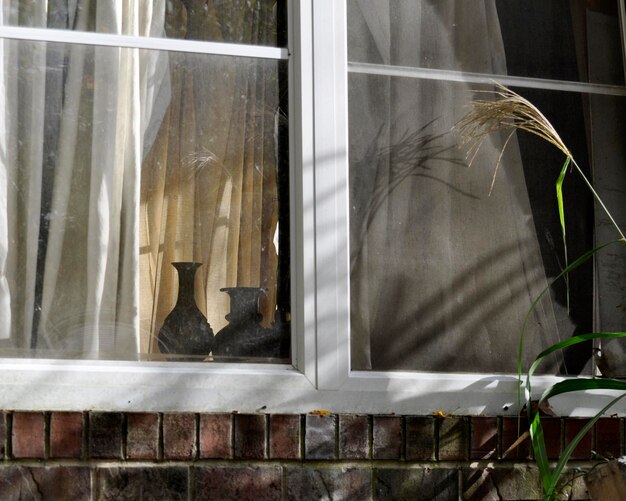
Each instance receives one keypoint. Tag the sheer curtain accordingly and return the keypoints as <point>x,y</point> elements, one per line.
<point>72,135</point>
<point>209,186</point>
<point>443,272</point>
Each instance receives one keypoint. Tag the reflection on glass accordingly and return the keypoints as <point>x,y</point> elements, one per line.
<point>443,272</point>
<point>116,163</point>
<point>253,22</point>
<point>544,39</point>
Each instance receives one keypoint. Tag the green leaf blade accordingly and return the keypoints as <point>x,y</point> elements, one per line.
<point>567,453</point>
<point>561,208</point>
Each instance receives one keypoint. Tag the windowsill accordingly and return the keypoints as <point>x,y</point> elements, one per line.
<point>157,386</point>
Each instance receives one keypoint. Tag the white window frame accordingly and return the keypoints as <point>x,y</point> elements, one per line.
<point>320,377</point>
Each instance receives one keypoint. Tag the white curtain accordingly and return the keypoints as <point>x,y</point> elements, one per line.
<point>442,272</point>
<point>88,148</point>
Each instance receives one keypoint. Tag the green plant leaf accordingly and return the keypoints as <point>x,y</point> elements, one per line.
<point>559,199</point>
<point>540,452</point>
<point>582,338</point>
<point>582,384</point>
<point>567,453</point>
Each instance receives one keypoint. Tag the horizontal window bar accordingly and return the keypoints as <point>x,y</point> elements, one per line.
<point>481,78</point>
<point>134,42</point>
<point>122,366</point>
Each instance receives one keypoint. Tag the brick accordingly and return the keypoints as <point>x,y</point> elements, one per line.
<point>132,483</point>
<point>515,438</point>
<point>484,437</point>
<point>66,435</point>
<point>319,437</point>
<point>18,483</point>
<point>608,437</point>
<point>354,441</point>
<point>216,436</point>
<point>285,436</point>
<point>28,435</point>
<point>513,484</point>
<point>420,438</point>
<point>453,439</point>
<point>179,436</point>
<point>387,437</point>
<point>142,436</point>
<point>249,436</point>
<point>241,483</point>
<point>411,484</point>
<point>105,435</point>
<point>552,436</point>
<point>572,427</point>
<point>329,483</point>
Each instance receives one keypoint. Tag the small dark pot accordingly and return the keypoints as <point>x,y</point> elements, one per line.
<point>244,336</point>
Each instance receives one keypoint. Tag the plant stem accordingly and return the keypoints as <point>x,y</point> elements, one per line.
<point>599,200</point>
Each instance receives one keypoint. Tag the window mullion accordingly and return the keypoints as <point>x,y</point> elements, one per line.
<point>331,193</point>
<point>302,193</point>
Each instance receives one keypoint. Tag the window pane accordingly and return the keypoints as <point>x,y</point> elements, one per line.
<point>253,22</point>
<point>117,163</point>
<point>556,39</point>
<point>443,272</point>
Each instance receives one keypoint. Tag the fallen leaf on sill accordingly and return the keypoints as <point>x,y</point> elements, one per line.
<point>320,412</point>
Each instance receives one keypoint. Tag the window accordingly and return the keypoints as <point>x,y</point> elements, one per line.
<point>141,182</point>
<point>444,266</point>
<point>387,312</point>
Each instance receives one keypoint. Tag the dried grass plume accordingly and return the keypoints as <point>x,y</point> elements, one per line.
<point>508,111</point>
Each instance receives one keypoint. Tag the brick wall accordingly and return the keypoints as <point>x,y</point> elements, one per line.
<point>119,456</point>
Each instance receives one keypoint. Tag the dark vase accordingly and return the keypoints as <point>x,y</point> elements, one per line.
<point>244,336</point>
<point>185,330</point>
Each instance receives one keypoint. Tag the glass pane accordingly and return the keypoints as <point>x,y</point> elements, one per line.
<point>557,39</point>
<point>443,267</point>
<point>119,166</point>
<point>253,22</point>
